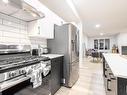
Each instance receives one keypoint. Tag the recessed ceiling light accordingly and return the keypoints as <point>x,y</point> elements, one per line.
<point>6,1</point>
<point>101,34</point>
<point>97,25</point>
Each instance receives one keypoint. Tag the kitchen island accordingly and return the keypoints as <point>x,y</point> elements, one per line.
<point>115,74</point>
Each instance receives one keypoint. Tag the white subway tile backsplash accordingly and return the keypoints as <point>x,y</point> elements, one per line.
<point>23,36</point>
<point>14,31</point>
<point>24,41</point>
<point>1,32</point>
<point>9,18</point>
<point>10,40</point>
<point>11,34</point>
<point>0,21</point>
<point>23,32</point>
<point>8,28</point>
<point>2,27</point>
<point>9,23</point>
<point>0,35</point>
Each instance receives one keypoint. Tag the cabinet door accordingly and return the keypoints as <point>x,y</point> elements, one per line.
<point>47,28</point>
<point>33,28</point>
<point>56,74</point>
<point>122,86</point>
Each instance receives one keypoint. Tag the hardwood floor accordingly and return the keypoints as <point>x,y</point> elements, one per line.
<point>90,81</point>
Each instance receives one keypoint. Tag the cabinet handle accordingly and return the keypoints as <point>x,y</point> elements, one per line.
<point>105,74</point>
<point>73,45</point>
<point>111,76</point>
<point>38,29</point>
<point>108,85</point>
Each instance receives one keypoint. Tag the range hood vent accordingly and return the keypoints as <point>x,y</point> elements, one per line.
<point>20,10</point>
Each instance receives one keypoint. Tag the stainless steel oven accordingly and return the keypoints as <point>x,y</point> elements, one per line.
<point>21,72</point>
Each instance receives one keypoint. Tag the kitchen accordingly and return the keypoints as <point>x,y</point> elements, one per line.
<point>25,65</point>
<point>46,47</point>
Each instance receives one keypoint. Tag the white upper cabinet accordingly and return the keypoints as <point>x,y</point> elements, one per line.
<point>33,28</point>
<point>44,27</point>
<point>47,28</point>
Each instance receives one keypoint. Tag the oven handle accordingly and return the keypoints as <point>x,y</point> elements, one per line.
<point>10,83</point>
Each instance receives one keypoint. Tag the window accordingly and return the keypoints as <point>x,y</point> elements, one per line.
<point>102,44</point>
<point>107,44</point>
<point>95,44</point>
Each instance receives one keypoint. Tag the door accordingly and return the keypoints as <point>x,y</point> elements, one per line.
<point>74,44</point>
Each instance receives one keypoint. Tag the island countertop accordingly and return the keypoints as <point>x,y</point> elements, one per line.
<point>117,64</point>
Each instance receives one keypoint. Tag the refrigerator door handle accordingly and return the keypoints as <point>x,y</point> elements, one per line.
<point>73,45</point>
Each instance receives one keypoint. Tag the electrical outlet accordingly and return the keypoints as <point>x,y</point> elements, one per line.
<point>63,80</point>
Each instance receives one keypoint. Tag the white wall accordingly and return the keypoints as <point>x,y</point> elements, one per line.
<point>79,25</point>
<point>85,43</point>
<point>113,40</point>
<point>122,39</point>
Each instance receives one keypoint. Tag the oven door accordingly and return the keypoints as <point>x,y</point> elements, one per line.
<point>25,88</point>
<point>12,82</point>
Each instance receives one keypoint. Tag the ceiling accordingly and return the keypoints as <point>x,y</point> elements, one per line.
<point>110,14</point>
<point>61,8</point>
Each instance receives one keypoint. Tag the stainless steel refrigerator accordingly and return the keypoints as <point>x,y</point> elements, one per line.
<point>66,41</point>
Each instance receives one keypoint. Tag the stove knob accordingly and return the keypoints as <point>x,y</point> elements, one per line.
<point>23,71</point>
<point>13,74</point>
<point>9,75</point>
<point>29,71</point>
<point>20,72</point>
